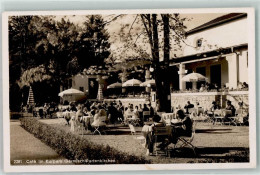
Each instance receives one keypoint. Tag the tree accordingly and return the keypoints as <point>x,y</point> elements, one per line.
<point>152,25</point>
<point>20,54</point>
<point>94,42</point>
<point>61,47</point>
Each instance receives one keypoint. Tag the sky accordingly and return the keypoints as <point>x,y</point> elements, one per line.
<point>118,48</point>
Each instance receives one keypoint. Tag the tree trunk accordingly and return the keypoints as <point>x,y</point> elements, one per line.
<point>165,72</point>
<point>160,72</point>
<point>157,69</point>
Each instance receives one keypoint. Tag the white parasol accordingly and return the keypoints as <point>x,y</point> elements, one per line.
<point>132,82</point>
<point>114,85</point>
<point>146,83</point>
<point>71,92</point>
<point>194,77</point>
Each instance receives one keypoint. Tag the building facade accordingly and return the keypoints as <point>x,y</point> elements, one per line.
<point>218,50</point>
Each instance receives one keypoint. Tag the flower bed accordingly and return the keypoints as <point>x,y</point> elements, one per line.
<point>74,147</point>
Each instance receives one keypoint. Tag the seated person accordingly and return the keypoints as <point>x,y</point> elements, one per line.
<point>240,86</point>
<point>197,107</point>
<point>202,88</point>
<point>181,128</point>
<point>72,107</point>
<point>151,109</point>
<point>244,85</point>
<point>230,107</point>
<point>148,133</point>
<point>214,106</point>
<point>97,121</point>
<point>188,106</point>
<point>145,108</point>
<point>79,113</point>
<point>136,113</point>
<point>85,111</point>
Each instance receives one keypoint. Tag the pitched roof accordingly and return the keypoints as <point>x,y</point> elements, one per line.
<point>217,21</point>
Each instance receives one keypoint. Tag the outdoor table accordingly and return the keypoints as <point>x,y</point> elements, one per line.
<point>88,118</point>
<point>167,117</point>
<point>174,121</point>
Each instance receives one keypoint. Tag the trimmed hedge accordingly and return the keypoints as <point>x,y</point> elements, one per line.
<point>74,147</point>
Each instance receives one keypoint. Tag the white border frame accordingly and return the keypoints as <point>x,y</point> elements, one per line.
<point>131,167</point>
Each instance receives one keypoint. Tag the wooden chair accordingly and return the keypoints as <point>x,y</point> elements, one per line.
<point>100,126</point>
<point>238,119</point>
<point>127,117</point>
<point>134,121</point>
<point>187,141</point>
<point>218,117</point>
<point>146,114</point>
<point>160,134</point>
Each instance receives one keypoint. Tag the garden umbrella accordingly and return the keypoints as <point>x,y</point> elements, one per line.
<point>71,92</point>
<point>132,82</point>
<point>194,77</point>
<point>100,93</point>
<point>114,85</point>
<point>30,100</point>
<point>151,82</point>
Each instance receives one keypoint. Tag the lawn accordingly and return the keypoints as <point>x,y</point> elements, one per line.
<point>214,143</point>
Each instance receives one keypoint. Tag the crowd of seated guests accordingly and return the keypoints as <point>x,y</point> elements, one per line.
<point>115,112</point>
<point>214,87</point>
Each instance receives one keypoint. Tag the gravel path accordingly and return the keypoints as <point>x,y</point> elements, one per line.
<point>27,150</point>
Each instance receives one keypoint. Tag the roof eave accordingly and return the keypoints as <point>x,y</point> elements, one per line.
<point>198,29</point>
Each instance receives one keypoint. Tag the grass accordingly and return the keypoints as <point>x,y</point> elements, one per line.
<point>215,144</point>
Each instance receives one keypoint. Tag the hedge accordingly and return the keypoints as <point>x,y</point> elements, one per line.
<point>74,147</point>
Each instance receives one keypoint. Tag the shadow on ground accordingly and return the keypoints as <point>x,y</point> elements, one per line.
<point>214,131</point>
<point>209,152</point>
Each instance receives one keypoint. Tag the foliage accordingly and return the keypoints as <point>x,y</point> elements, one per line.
<point>93,42</point>
<point>74,147</point>
<point>54,49</point>
<point>37,74</point>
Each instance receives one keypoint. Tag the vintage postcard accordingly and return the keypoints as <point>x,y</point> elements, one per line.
<point>110,90</point>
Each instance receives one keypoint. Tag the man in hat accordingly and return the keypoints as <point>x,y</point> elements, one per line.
<point>188,106</point>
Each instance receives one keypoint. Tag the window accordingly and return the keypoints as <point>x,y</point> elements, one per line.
<point>199,43</point>
<point>81,89</point>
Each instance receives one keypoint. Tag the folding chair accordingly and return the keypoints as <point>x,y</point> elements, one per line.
<point>134,121</point>
<point>160,134</point>
<point>100,126</point>
<point>228,118</point>
<point>128,117</point>
<point>218,117</point>
<point>187,141</point>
